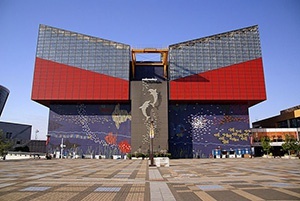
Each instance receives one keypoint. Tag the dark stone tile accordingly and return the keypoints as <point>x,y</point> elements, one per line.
<point>266,180</point>
<point>189,196</point>
<point>226,196</point>
<point>245,185</point>
<point>34,196</point>
<point>181,188</point>
<point>270,194</point>
<point>296,190</point>
<point>122,194</point>
<point>133,174</point>
<point>232,182</point>
<point>113,174</point>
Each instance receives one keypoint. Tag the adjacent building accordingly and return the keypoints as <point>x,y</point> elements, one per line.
<point>19,134</point>
<point>103,100</point>
<point>288,118</point>
<point>276,128</point>
<point>4,92</point>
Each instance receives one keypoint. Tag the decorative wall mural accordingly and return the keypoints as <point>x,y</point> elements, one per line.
<point>195,130</point>
<point>233,135</point>
<point>200,124</point>
<point>91,129</point>
<point>120,116</point>
<point>151,101</point>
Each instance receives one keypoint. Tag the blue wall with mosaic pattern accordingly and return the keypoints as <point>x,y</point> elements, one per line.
<point>90,129</point>
<point>195,129</point>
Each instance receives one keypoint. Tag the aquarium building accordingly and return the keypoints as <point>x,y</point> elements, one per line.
<point>104,100</point>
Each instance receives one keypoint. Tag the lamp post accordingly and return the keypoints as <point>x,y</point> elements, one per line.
<point>36,132</point>
<point>151,135</point>
<point>48,156</point>
<point>62,147</point>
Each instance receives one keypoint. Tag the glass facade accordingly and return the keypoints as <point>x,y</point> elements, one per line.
<point>225,67</point>
<point>289,123</point>
<point>85,52</point>
<point>295,123</point>
<point>209,53</point>
<point>71,66</point>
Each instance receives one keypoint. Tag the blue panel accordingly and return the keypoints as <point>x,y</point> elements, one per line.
<point>90,129</point>
<point>196,130</point>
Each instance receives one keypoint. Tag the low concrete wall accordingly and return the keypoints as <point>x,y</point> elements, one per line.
<point>162,161</point>
<point>23,155</point>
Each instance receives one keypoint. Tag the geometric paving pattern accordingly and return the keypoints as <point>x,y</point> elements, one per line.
<point>185,179</point>
<point>234,179</point>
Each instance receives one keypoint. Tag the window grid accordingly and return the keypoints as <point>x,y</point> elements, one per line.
<point>213,52</point>
<point>86,52</point>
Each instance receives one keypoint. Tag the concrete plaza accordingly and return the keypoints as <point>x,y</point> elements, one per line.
<point>185,179</point>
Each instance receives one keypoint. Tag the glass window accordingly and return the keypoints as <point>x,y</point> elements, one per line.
<point>214,52</point>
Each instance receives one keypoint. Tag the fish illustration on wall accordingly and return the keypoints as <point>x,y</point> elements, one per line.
<point>154,93</point>
<point>144,109</point>
<point>120,116</point>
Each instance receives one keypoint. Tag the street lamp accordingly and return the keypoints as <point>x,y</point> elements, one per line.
<point>48,156</point>
<point>151,135</point>
<point>62,147</point>
<point>36,132</point>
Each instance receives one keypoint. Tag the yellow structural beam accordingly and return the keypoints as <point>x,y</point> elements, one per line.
<point>133,63</point>
<point>150,50</point>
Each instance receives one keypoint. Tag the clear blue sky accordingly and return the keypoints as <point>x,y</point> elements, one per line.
<point>139,23</point>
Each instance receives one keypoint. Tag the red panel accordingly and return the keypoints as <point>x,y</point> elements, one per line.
<point>239,82</point>
<point>55,81</point>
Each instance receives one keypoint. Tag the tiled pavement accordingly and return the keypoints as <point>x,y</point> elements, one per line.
<point>185,179</point>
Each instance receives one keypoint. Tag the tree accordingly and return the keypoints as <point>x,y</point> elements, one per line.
<point>5,145</point>
<point>290,144</point>
<point>298,148</point>
<point>265,143</point>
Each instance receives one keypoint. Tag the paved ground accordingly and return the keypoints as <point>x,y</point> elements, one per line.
<point>185,179</point>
